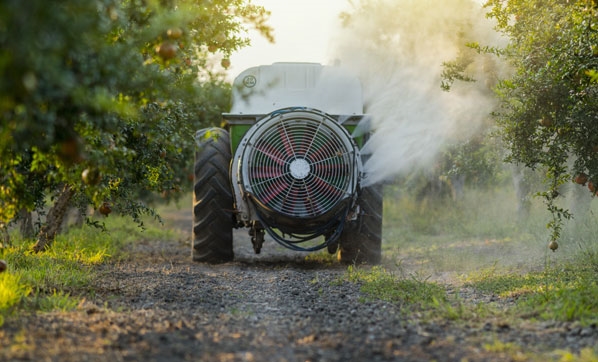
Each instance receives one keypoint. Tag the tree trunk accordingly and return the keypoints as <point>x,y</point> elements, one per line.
<point>79,219</point>
<point>4,236</point>
<point>48,231</point>
<point>26,226</point>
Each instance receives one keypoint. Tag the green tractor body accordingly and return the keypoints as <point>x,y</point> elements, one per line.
<point>286,164</point>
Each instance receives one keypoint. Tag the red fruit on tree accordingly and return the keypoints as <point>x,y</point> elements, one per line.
<point>591,187</point>
<point>166,50</point>
<point>105,209</point>
<point>581,179</point>
<point>174,33</point>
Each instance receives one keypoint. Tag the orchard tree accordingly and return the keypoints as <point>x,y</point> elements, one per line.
<point>549,106</point>
<point>99,99</point>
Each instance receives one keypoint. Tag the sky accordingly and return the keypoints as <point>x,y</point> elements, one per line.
<point>303,30</point>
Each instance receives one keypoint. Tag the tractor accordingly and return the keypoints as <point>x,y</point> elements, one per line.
<point>286,163</point>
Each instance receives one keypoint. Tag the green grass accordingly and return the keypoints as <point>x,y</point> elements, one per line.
<point>415,295</point>
<point>564,293</point>
<point>428,300</point>
<point>55,279</point>
<point>379,283</point>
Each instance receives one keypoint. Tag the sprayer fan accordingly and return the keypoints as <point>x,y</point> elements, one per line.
<point>300,163</point>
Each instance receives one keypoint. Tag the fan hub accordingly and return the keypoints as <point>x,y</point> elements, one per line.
<point>300,168</point>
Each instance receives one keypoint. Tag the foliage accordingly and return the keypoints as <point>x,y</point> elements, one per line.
<point>477,159</point>
<point>104,95</point>
<point>549,105</point>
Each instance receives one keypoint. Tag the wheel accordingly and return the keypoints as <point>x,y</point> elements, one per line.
<point>361,239</point>
<point>212,198</point>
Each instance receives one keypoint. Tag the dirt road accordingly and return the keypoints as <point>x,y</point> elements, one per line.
<point>160,306</point>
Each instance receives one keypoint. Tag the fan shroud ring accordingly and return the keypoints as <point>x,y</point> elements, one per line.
<point>300,167</point>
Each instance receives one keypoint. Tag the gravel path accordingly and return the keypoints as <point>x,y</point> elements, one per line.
<point>160,306</point>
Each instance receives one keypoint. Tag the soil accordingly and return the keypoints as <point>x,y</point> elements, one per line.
<point>158,305</point>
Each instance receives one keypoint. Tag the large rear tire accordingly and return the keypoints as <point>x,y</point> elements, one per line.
<point>361,239</point>
<point>212,198</point>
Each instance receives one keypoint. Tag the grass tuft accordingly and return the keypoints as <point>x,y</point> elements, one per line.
<point>378,283</point>
<point>12,290</point>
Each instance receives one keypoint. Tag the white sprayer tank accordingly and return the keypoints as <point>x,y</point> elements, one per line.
<point>264,89</point>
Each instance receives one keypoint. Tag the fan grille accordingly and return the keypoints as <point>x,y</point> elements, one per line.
<point>300,164</point>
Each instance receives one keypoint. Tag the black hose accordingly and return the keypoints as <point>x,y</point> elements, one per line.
<point>291,243</point>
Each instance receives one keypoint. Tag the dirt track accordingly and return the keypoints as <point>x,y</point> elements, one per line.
<point>160,306</point>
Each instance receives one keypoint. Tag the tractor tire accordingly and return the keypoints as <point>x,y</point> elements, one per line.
<point>212,198</point>
<point>361,239</point>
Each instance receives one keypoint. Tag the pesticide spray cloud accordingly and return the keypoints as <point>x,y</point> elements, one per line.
<point>397,47</point>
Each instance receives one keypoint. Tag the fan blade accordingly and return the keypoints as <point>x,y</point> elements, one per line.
<point>273,191</point>
<point>286,141</point>
<point>325,189</point>
<point>330,170</point>
<point>272,153</point>
<point>265,172</point>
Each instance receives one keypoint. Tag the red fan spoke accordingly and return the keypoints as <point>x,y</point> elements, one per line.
<point>314,138</point>
<point>292,197</point>
<point>300,146</point>
<point>330,189</point>
<point>313,205</point>
<point>309,199</point>
<point>334,156</point>
<point>315,150</point>
<point>325,150</point>
<point>286,141</point>
<point>266,172</point>
<point>273,191</point>
<point>326,169</point>
<point>268,150</point>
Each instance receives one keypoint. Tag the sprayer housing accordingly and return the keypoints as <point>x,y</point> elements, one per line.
<point>295,168</point>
